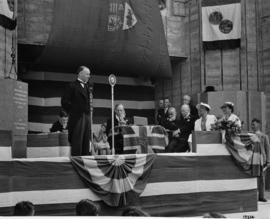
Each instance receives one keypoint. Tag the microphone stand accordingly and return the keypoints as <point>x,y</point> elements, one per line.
<point>91,87</point>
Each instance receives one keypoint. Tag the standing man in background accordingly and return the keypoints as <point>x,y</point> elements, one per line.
<point>160,112</point>
<point>193,110</point>
<point>265,148</point>
<point>167,105</point>
<point>76,102</point>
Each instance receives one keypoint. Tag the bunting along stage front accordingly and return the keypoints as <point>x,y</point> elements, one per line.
<point>178,185</point>
<point>221,24</point>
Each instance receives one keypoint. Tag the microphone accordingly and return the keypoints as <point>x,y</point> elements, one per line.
<point>91,90</point>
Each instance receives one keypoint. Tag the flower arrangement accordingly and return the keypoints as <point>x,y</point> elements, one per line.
<point>231,127</point>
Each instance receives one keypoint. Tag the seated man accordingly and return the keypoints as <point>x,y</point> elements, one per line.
<point>193,110</point>
<point>119,120</point>
<point>171,124</point>
<point>179,140</point>
<point>61,124</point>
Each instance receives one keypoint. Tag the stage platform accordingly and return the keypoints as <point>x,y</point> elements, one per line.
<point>186,184</point>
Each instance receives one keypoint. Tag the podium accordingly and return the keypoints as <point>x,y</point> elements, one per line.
<point>204,141</point>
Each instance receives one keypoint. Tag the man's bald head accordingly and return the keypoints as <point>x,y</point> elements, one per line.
<point>185,110</point>
<point>83,73</point>
<point>172,113</point>
<point>119,109</point>
<point>186,99</point>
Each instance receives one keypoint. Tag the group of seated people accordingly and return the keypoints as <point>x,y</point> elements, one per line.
<point>86,207</point>
<point>191,119</point>
<point>179,128</point>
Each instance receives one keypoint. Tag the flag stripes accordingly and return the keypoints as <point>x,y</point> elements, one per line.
<point>225,171</point>
<point>178,185</point>
<point>46,89</point>
<point>100,115</point>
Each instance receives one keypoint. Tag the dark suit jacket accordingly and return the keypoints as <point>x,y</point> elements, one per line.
<point>171,126</point>
<point>160,116</point>
<point>109,124</point>
<point>75,102</point>
<point>186,126</point>
<point>194,111</point>
<point>118,138</point>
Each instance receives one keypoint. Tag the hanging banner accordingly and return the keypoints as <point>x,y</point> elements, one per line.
<point>221,22</point>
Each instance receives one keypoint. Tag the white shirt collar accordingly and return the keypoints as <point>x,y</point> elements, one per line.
<point>81,82</point>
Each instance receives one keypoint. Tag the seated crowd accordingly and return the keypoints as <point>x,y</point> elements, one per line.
<point>86,207</point>
<point>191,119</point>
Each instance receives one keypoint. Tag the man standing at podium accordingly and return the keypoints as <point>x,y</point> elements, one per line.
<point>76,102</point>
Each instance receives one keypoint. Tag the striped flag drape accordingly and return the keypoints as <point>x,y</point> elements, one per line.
<point>246,152</point>
<point>117,180</point>
<point>221,23</point>
<point>46,89</point>
<point>144,139</point>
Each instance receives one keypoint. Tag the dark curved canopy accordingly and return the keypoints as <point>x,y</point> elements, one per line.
<point>91,33</point>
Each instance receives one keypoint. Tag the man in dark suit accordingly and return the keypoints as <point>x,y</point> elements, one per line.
<point>172,124</point>
<point>76,102</point>
<point>187,123</point>
<point>193,110</point>
<point>61,124</point>
<point>180,129</point>
<point>119,120</point>
<point>167,105</point>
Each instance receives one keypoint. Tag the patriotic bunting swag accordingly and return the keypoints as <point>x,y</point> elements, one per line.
<point>117,180</point>
<point>246,152</point>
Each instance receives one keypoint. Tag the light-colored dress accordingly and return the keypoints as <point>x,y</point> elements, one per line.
<point>199,124</point>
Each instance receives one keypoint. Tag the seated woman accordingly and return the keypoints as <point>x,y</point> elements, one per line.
<point>228,109</point>
<point>205,122</point>
<point>101,144</point>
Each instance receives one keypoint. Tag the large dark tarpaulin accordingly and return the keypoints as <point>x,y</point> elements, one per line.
<point>81,35</point>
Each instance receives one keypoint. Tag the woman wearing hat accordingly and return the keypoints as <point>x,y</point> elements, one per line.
<point>205,122</point>
<point>228,109</point>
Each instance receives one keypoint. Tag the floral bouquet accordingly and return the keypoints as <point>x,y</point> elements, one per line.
<point>230,127</point>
